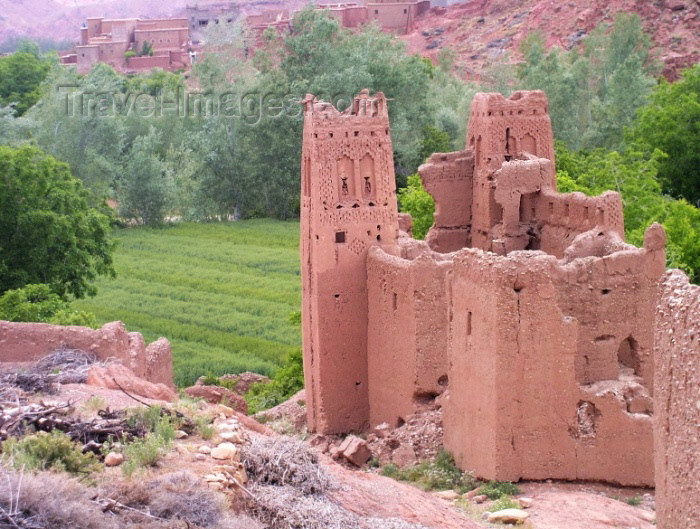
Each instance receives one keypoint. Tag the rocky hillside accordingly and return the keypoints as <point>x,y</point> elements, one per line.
<point>482,31</point>
<point>479,31</point>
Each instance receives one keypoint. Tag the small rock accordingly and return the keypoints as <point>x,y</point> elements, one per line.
<point>204,449</point>
<point>179,434</point>
<point>225,451</point>
<point>525,503</point>
<point>200,457</point>
<point>485,515</point>
<point>480,498</point>
<point>473,492</point>
<point>382,430</point>
<point>355,450</point>
<point>233,437</point>
<point>114,459</point>
<point>404,455</point>
<point>647,516</point>
<point>226,410</point>
<point>509,516</point>
<point>448,495</point>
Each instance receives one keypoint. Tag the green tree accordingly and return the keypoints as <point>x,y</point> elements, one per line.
<point>414,199</point>
<point>21,75</point>
<point>634,174</point>
<point>671,123</point>
<point>145,192</point>
<point>48,232</point>
<point>434,140</point>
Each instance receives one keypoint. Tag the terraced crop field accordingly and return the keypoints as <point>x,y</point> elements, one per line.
<point>221,293</point>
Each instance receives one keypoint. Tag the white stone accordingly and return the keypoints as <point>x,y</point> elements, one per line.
<point>114,459</point>
<point>509,516</point>
<point>448,495</point>
<point>225,451</point>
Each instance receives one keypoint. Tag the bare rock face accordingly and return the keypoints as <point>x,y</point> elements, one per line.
<point>218,395</point>
<point>355,450</point>
<point>117,376</point>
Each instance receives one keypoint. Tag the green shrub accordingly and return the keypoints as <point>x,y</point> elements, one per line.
<point>211,380</point>
<point>159,427</point>
<point>504,502</point>
<point>439,474</point>
<point>288,381</point>
<point>52,451</point>
<point>391,471</point>
<point>143,453</point>
<point>204,426</point>
<point>38,303</point>
<point>634,501</point>
<point>414,199</point>
<point>498,489</point>
<point>128,54</point>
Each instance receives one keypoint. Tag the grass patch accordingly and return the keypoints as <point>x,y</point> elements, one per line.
<point>440,474</point>
<point>504,502</point>
<point>495,490</point>
<point>222,293</point>
<point>634,501</point>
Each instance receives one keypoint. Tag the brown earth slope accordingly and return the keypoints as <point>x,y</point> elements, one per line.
<point>480,31</point>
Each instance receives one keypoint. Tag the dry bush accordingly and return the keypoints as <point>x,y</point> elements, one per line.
<point>285,461</point>
<point>49,501</point>
<point>54,501</point>
<point>182,496</point>
<point>286,507</point>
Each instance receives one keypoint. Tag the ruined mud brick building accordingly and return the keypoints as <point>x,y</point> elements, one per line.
<point>108,41</point>
<point>524,305</point>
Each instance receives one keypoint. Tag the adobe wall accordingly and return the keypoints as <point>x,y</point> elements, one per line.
<point>348,205</point>
<point>123,29</point>
<point>500,128</point>
<point>449,178</point>
<point>86,57</point>
<point>27,342</point>
<point>521,328</point>
<point>349,16</point>
<point>396,17</point>
<point>147,63</point>
<point>407,333</point>
<point>161,39</point>
<point>677,402</point>
<point>162,23</point>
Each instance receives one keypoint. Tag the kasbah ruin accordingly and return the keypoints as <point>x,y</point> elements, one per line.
<point>557,350</point>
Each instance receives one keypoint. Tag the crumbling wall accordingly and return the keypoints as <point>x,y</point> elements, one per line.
<point>28,342</point>
<point>523,330</point>
<point>407,333</point>
<point>449,179</point>
<point>677,400</point>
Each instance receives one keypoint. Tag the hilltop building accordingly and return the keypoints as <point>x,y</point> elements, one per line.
<point>110,41</point>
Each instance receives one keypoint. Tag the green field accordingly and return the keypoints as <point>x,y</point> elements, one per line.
<point>221,293</point>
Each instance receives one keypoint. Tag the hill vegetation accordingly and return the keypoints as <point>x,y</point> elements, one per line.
<point>222,294</point>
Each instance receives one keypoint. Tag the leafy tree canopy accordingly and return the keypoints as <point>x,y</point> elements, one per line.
<point>48,232</point>
<point>21,75</point>
<point>671,123</point>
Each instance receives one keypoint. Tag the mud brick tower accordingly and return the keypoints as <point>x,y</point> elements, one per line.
<point>348,206</point>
